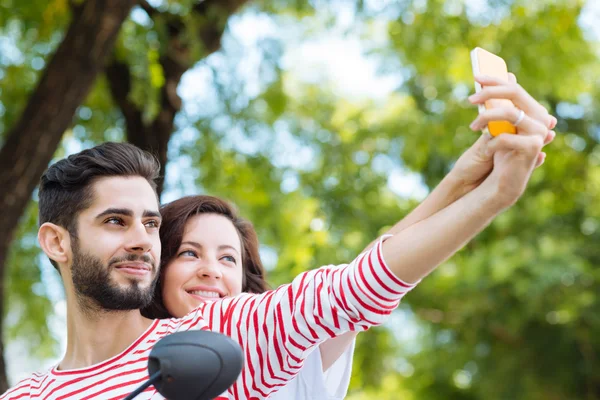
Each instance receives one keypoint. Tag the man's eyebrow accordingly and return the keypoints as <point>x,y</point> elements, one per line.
<point>149,213</point>
<point>127,212</point>
<point>115,211</point>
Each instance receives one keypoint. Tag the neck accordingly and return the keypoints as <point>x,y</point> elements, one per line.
<point>96,336</point>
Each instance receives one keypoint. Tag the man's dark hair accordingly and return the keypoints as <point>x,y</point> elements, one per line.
<point>66,186</point>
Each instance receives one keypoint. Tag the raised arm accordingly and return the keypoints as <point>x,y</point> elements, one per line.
<point>470,170</point>
<point>416,250</point>
<point>475,164</point>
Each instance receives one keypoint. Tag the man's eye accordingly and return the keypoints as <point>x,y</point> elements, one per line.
<point>114,221</point>
<point>152,224</point>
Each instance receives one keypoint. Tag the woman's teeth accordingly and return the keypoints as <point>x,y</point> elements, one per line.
<point>205,293</point>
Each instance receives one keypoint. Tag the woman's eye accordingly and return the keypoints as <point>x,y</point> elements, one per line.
<point>189,253</point>
<point>229,258</point>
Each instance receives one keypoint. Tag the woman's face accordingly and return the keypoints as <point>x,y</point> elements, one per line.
<point>206,267</point>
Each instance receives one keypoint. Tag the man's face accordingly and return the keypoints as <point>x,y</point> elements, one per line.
<point>116,251</point>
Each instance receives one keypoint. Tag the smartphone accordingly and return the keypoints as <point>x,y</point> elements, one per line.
<point>486,63</point>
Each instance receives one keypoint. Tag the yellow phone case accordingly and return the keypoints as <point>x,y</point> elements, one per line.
<point>486,63</point>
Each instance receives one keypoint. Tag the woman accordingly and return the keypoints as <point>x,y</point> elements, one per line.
<point>209,252</point>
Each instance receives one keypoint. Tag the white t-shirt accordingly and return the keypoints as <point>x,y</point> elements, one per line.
<point>312,383</point>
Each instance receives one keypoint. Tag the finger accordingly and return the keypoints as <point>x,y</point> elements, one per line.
<point>549,137</point>
<point>512,78</point>
<point>553,122</point>
<point>513,92</point>
<point>528,126</point>
<point>540,159</point>
<point>487,80</point>
<point>527,145</point>
<point>480,145</point>
<point>495,88</point>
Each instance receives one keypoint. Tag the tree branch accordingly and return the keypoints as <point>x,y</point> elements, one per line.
<point>63,86</point>
<point>154,137</point>
<point>151,11</point>
<point>119,79</point>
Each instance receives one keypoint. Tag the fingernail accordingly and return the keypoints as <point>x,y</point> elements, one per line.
<point>474,125</point>
<point>554,122</point>
<point>473,97</point>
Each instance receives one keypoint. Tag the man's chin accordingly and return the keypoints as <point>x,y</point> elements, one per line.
<point>127,298</point>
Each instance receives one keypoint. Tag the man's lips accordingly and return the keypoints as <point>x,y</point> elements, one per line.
<point>134,268</point>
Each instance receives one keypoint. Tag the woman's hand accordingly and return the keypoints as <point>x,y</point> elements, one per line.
<point>475,165</point>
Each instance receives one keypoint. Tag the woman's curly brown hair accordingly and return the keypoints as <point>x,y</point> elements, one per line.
<point>175,216</point>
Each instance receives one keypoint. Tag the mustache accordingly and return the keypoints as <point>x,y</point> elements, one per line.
<point>134,257</point>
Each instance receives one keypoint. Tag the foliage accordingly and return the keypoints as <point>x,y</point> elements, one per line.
<point>320,175</point>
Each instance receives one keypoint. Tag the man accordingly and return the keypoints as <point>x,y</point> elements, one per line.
<point>100,227</point>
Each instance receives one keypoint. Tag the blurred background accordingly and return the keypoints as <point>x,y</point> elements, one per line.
<point>325,122</point>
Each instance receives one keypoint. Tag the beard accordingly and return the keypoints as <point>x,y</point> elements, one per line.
<point>95,289</point>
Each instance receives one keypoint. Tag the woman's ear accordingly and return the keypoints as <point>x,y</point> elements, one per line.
<point>55,241</point>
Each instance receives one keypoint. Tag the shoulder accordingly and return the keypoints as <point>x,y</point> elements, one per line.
<point>22,390</point>
<point>195,319</point>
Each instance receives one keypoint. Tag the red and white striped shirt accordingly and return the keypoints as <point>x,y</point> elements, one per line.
<point>277,331</point>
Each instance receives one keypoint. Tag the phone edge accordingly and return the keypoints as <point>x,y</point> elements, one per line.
<point>478,88</point>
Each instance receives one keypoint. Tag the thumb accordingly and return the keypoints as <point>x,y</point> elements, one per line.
<point>482,143</point>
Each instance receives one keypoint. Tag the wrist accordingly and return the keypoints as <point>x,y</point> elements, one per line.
<point>490,198</point>
<point>454,186</point>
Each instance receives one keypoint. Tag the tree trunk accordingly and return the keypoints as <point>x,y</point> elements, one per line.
<point>65,83</point>
<point>154,136</point>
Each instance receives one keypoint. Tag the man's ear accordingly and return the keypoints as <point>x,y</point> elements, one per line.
<point>55,241</point>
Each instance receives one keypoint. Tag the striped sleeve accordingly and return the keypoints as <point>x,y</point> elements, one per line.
<point>278,329</point>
